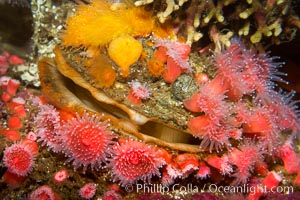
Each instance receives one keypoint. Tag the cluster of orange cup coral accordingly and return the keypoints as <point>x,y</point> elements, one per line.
<point>98,24</point>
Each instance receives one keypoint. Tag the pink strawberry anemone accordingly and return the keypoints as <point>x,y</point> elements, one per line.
<point>245,157</point>
<point>44,192</point>
<point>133,161</point>
<point>241,98</point>
<point>86,141</point>
<point>19,159</point>
<point>47,124</point>
<point>88,191</point>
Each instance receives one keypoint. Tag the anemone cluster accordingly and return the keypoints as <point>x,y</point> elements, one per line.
<point>243,127</point>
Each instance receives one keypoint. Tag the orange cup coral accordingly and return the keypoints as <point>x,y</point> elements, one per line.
<point>97,24</point>
<point>125,51</point>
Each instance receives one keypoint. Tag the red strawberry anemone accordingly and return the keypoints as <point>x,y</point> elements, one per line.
<point>135,161</point>
<point>86,141</point>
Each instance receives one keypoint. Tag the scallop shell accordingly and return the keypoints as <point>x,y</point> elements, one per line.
<point>66,88</point>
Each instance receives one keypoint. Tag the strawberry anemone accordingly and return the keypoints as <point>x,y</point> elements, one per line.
<point>286,110</point>
<point>47,123</point>
<point>222,111</point>
<point>214,134</point>
<point>259,122</point>
<point>133,161</point>
<point>19,159</point>
<point>221,163</point>
<point>210,127</point>
<point>243,71</point>
<point>138,92</point>
<point>86,141</point>
<point>88,191</point>
<point>289,157</point>
<point>245,157</point>
<point>176,55</point>
<point>44,192</point>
